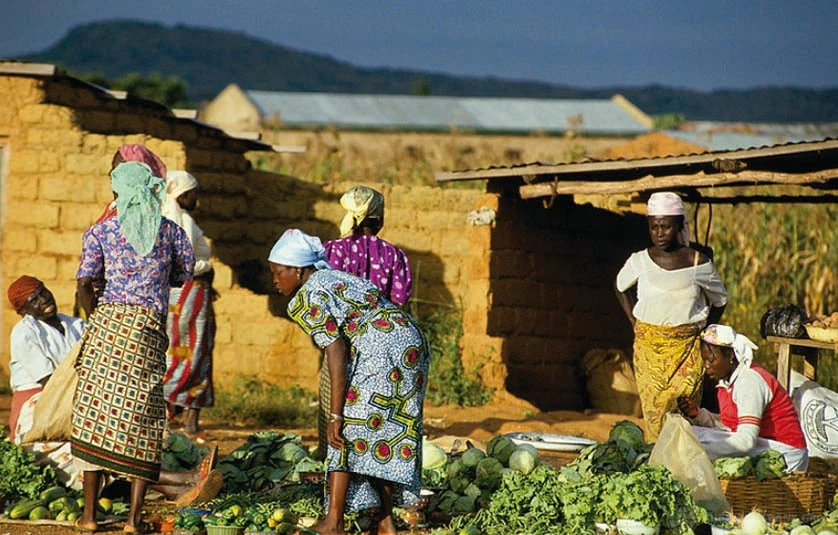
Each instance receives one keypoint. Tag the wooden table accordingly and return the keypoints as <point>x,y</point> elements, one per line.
<point>805,347</point>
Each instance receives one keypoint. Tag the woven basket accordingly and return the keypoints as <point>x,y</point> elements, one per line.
<point>224,530</point>
<point>797,495</point>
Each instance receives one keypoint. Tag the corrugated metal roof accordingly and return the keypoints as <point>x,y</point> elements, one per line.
<point>721,136</point>
<point>815,153</point>
<point>444,113</point>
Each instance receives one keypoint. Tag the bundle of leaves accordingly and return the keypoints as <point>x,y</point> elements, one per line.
<point>529,504</point>
<point>768,464</point>
<point>651,495</point>
<point>265,460</point>
<point>180,453</point>
<point>20,477</point>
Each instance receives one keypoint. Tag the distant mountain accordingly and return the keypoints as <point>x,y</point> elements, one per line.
<point>208,59</point>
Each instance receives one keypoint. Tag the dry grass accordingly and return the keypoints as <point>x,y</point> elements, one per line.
<point>413,158</point>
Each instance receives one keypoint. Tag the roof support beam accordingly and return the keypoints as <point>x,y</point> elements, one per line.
<point>651,183</point>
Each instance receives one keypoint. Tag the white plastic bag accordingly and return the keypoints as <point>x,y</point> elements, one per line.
<point>817,408</point>
<point>678,449</point>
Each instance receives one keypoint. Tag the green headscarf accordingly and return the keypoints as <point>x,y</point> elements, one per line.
<point>139,197</point>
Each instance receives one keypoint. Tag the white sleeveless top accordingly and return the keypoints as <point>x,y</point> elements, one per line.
<point>678,297</point>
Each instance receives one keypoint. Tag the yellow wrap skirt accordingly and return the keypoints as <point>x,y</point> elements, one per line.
<point>667,363</point>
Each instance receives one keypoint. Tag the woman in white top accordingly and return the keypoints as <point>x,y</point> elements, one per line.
<point>187,384</point>
<point>669,293</point>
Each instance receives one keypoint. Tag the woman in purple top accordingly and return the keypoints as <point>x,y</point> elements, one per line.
<point>119,412</point>
<point>362,253</point>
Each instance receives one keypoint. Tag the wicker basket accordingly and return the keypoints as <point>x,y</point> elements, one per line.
<point>797,495</point>
<point>224,530</point>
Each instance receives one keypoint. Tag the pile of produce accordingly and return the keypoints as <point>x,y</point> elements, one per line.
<point>754,523</point>
<point>606,482</point>
<point>20,477</point>
<point>267,459</point>
<point>59,504</point>
<point>769,464</point>
<point>280,510</point>
<point>472,476</point>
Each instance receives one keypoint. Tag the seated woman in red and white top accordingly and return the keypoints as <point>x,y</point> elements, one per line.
<point>756,413</point>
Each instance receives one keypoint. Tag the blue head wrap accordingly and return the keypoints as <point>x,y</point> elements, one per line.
<point>297,249</point>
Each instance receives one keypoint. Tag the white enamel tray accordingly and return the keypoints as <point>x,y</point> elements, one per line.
<point>547,441</point>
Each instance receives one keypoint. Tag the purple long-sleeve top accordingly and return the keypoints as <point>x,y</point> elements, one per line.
<point>376,260</point>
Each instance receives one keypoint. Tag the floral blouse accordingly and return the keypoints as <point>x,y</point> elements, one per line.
<point>130,278</point>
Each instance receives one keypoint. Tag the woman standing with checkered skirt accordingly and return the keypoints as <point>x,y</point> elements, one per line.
<point>119,412</point>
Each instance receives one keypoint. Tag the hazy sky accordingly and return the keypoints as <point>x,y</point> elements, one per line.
<point>699,44</point>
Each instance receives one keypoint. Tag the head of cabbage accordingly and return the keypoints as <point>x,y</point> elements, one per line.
<point>629,432</point>
<point>524,458</point>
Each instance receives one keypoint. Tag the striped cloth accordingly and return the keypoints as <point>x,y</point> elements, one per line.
<point>191,330</point>
<point>119,413</point>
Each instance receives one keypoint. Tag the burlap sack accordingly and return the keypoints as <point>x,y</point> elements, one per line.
<point>610,382</point>
<point>54,411</point>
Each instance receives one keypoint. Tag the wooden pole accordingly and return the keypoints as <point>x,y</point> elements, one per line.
<point>697,180</point>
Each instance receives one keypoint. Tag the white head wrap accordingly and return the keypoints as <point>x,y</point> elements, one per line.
<point>177,183</point>
<point>359,202</point>
<point>297,249</point>
<point>743,347</point>
<point>666,203</point>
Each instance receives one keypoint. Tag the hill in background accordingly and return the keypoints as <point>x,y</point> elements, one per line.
<point>208,59</point>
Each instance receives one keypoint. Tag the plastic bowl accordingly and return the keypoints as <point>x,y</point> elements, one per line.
<point>633,527</point>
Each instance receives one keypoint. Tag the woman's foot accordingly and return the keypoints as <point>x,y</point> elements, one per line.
<point>387,526</point>
<point>329,526</point>
<point>138,527</point>
<point>88,526</point>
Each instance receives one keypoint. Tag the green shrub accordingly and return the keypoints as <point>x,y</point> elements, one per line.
<point>449,382</point>
<point>255,402</point>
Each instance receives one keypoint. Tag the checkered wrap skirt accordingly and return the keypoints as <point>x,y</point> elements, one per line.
<point>119,412</point>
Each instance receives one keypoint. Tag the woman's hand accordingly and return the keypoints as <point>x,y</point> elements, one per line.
<point>333,434</point>
<point>687,406</point>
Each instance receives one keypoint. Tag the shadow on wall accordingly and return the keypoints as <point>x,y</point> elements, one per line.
<point>244,217</point>
<point>552,280</point>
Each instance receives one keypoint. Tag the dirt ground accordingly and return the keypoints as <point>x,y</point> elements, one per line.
<point>444,424</point>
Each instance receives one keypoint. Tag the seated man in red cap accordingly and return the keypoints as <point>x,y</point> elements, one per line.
<point>39,342</point>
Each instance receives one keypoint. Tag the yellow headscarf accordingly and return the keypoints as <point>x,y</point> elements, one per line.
<point>360,202</point>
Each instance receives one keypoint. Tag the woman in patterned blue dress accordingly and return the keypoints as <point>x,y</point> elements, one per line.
<point>378,360</point>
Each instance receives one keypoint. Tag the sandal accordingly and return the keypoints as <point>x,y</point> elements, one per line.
<point>141,528</point>
<point>78,525</point>
<point>206,489</point>
<point>208,463</point>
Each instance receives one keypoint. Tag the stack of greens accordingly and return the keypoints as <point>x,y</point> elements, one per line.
<point>20,477</point>
<point>769,464</point>
<point>267,458</point>
<point>606,482</point>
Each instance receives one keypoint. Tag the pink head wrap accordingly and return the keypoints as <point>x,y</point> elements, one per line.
<point>139,153</point>
<point>666,203</point>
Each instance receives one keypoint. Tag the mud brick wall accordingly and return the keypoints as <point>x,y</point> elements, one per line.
<point>540,295</point>
<point>58,137</point>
